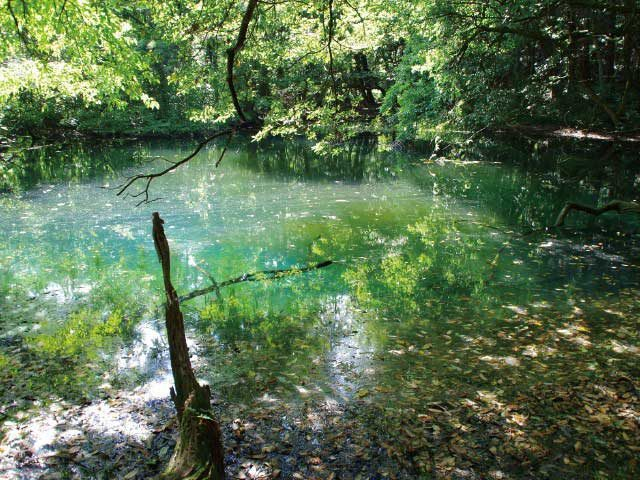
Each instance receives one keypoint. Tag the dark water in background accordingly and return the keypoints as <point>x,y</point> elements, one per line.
<point>438,279</point>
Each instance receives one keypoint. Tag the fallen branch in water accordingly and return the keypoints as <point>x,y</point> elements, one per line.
<point>615,205</point>
<point>254,277</point>
<point>214,283</point>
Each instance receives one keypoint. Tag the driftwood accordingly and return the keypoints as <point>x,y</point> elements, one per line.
<point>252,277</point>
<point>199,453</point>
<point>613,206</point>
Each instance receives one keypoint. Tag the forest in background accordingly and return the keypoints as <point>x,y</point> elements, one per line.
<point>333,302</point>
<point>330,70</point>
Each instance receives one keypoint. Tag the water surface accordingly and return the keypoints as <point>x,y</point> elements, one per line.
<point>445,283</point>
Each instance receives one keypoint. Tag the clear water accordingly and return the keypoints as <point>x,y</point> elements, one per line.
<point>443,281</point>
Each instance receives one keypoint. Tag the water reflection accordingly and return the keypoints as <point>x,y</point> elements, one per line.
<point>431,261</point>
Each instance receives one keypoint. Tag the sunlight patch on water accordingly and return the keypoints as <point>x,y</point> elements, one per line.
<point>156,389</point>
<point>350,356</point>
<point>148,351</point>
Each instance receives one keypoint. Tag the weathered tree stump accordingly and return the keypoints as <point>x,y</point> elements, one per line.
<point>199,453</point>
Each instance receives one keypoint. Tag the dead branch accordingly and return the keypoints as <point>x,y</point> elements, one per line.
<point>254,277</point>
<point>595,98</point>
<point>224,150</point>
<point>149,177</point>
<point>214,283</point>
<point>615,206</point>
<point>199,452</point>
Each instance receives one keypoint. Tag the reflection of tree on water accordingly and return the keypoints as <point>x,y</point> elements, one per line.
<point>432,287</point>
<point>414,313</point>
<point>358,161</point>
<point>533,183</point>
<point>72,162</point>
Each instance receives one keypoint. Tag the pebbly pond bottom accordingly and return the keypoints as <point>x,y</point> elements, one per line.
<point>453,337</point>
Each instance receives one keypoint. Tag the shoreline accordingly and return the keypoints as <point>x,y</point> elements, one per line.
<point>524,130</point>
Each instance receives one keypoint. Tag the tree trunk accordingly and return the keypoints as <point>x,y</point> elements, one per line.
<point>233,51</point>
<point>365,83</point>
<point>627,41</point>
<point>199,453</point>
<point>610,49</point>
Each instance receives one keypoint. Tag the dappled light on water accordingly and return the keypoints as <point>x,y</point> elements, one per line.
<point>452,336</point>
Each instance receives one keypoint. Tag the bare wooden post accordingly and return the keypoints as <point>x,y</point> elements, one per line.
<point>199,453</point>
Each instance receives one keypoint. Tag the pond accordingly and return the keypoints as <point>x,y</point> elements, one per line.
<point>454,334</point>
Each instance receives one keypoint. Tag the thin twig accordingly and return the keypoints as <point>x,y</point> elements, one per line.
<point>224,150</point>
<point>213,281</point>
<point>149,177</point>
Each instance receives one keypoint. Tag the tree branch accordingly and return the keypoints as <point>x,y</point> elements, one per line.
<point>593,96</point>
<point>615,205</point>
<point>254,277</point>
<point>23,33</point>
<point>214,283</point>
<point>149,177</point>
<point>232,52</point>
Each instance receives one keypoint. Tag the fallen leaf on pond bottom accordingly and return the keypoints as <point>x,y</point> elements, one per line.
<point>362,393</point>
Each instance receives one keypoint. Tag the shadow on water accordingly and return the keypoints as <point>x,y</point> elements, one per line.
<point>442,342</point>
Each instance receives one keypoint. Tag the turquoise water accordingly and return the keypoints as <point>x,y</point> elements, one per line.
<point>445,282</point>
<point>416,238</point>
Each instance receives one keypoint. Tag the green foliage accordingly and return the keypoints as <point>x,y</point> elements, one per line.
<point>413,100</point>
<point>83,333</point>
<point>434,258</point>
<point>327,70</point>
